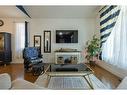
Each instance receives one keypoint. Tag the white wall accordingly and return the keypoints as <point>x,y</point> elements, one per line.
<point>8,25</point>
<point>86,28</point>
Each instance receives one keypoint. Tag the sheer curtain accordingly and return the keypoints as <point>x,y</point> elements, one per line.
<point>19,39</point>
<point>114,50</point>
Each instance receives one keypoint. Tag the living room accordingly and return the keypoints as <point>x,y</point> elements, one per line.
<point>39,20</point>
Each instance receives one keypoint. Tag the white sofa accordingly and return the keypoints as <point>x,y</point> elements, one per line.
<point>123,84</point>
<point>6,83</point>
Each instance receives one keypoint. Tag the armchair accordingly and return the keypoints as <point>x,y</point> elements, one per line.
<point>32,57</point>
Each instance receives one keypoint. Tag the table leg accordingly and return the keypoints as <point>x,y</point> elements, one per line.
<point>46,69</point>
<point>89,81</point>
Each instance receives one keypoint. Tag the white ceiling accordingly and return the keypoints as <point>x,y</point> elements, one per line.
<point>50,11</point>
<point>10,11</point>
<point>61,11</point>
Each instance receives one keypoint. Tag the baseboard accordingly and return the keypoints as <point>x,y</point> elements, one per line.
<point>17,61</point>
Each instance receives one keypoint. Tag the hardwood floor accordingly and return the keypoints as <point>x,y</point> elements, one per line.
<point>106,77</point>
<point>17,71</point>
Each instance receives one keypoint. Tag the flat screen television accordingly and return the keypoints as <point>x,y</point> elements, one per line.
<point>66,36</point>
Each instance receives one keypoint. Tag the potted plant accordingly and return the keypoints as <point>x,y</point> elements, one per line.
<point>92,50</point>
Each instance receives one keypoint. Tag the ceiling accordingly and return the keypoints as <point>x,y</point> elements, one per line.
<point>10,11</point>
<point>50,11</point>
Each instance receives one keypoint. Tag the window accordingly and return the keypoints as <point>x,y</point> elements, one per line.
<point>19,39</point>
<point>115,48</point>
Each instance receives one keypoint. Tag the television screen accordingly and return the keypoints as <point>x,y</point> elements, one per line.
<point>66,36</point>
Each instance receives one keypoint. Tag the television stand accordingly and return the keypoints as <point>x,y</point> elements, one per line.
<point>67,57</point>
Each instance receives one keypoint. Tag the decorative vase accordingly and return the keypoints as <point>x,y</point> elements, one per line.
<point>92,63</point>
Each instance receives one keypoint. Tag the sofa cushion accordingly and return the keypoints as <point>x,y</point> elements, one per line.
<point>42,80</point>
<point>5,81</point>
<point>123,84</point>
<point>23,84</point>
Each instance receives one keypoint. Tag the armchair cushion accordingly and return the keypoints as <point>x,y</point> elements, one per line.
<point>36,60</point>
<point>30,52</point>
<point>33,58</point>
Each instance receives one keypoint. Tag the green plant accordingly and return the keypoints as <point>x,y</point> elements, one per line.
<point>92,48</point>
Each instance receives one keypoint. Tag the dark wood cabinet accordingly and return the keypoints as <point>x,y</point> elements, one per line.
<point>5,47</point>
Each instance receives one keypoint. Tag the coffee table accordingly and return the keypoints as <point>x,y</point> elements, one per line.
<point>69,67</point>
<point>65,76</point>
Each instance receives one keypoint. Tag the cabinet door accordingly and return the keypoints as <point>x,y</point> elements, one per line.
<point>7,56</point>
<point>1,56</point>
<point>1,42</point>
<point>5,47</point>
<point>7,42</point>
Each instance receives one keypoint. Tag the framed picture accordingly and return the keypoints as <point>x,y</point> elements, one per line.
<point>37,41</point>
<point>47,41</point>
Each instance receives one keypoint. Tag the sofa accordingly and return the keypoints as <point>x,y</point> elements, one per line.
<point>6,83</point>
<point>123,84</point>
